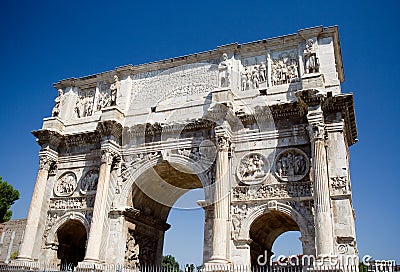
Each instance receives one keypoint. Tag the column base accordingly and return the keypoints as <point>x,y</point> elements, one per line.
<point>91,261</point>
<point>217,265</point>
<point>23,259</point>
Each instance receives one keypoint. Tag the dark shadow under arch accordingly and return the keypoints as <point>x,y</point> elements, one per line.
<point>264,231</point>
<point>71,237</point>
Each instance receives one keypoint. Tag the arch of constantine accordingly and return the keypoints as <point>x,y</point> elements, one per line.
<point>263,128</point>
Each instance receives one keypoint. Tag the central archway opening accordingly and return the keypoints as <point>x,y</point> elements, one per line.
<point>71,237</point>
<point>154,194</point>
<point>265,230</point>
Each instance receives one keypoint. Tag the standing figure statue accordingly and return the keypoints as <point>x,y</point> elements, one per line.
<point>255,78</point>
<point>310,57</point>
<point>57,104</point>
<point>114,88</point>
<point>262,70</point>
<point>243,79</point>
<point>224,69</point>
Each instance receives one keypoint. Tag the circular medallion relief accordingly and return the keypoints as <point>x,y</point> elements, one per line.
<point>253,168</point>
<point>89,181</point>
<point>291,165</point>
<point>65,185</point>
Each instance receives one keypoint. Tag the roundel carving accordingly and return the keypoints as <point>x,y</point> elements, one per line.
<point>65,185</point>
<point>253,168</point>
<point>291,165</point>
<point>89,181</point>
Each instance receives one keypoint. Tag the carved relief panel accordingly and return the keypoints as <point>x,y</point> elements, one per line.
<point>291,165</point>
<point>65,185</point>
<point>252,169</point>
<point>339,185</point>
<point>284,67</point>
<point>140,247</point>
<point>253,73</point>
<point>89,181</point>
<point>85,102</point>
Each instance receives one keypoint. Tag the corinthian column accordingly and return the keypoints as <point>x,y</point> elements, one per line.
<point>99,210</point>
<point>323,216</point>
<point>221,201</point>
<point>47,159</point>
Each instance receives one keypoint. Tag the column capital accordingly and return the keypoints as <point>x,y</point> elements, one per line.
<point>316,131</point>
<point>45,163</point>
<point>108,156</point>
<point>47,158</point>
<point>316,123</point>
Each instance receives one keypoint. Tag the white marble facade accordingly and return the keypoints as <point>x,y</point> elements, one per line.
<point>263,127</point>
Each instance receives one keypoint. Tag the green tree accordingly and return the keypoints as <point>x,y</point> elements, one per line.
<point>170,264</point>
<point>8,195</point>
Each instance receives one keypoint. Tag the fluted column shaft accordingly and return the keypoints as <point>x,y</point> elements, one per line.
<point>221,203</point>
<point>324,238</point>
<point>99,211</point>
<point>35,209</point>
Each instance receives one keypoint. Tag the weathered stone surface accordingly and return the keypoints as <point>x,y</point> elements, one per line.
<point>263,127</point>
<point>11,233</point>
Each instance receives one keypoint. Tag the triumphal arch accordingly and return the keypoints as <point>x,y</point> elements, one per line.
<point>262,127</point>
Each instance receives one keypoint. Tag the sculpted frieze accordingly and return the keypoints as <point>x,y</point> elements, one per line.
<point>65,185</point>
<point>284,67</point>
<point>253,73</point>
<point>197,78</point>
<point>84,102</point>
<point>73,203</point>
<point>339,185</point>
<point>291,165</point>
<point>107,95</point>
<point>273,191</point>
<point>253,168</point>
<point>89,181</point>
<point>140,247</point>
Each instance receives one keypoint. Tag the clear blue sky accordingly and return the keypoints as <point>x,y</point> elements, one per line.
<point>45,41</point>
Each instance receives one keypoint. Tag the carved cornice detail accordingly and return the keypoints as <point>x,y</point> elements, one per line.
<point>136,215</point>
<point>81,138</point>
<point>110,128</point>
<point>157,128</point>
<point>45,137</point>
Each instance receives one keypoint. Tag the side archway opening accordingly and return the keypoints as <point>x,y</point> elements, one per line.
<point>71,237</point>
<point>265,230</point>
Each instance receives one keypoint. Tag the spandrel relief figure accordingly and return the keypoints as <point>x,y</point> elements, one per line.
<point>224,68</point>
<point>291,165</point>
<point>57,104</point>
<point>310,57</point>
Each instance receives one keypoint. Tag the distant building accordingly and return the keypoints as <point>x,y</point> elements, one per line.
<point>11,234</point>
